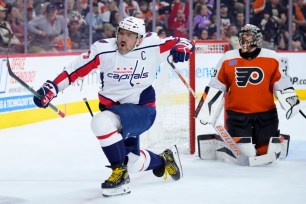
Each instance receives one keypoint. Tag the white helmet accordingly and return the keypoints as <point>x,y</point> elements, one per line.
<point>252,30</point>
<point>133,24</point>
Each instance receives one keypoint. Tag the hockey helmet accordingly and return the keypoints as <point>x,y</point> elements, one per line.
<point>245,41</point>
<point>133,24</point>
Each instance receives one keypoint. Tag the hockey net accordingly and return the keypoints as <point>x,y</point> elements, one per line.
<point>174,122</point>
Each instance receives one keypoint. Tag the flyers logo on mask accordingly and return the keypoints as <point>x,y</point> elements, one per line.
<point>252,75</point>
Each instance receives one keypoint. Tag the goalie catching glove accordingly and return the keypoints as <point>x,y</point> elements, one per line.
<point>210,105</point>
<point>181,51</point>
<point>47,92</point>
<point>289,101</point>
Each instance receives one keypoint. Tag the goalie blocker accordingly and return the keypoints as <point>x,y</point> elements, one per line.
<point>210,105</point>
<point>212,147</point>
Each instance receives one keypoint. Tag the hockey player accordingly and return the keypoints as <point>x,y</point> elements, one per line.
<point>128,65</point>
<point>250,76</point>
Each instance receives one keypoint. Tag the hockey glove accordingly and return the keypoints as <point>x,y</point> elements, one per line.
<point>181,51</point>
<point>48,91</point>
<point>289,101</point>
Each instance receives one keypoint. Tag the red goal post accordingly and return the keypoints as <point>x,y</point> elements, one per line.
<point>205,51</point>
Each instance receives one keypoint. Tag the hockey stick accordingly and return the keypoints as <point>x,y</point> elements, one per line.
<point>242,159</point>
<point>302,113</point>
<point>88,106</point>
<point>22,83</point>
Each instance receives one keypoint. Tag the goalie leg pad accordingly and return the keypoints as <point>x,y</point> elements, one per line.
<point>207,147</point>
<point>212,147</point>
<point>210,105</point>
<point>279,146</point>
<point>285,146</point>
<point>244,144</point>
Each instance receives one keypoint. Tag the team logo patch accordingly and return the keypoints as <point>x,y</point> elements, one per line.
<point>252,75</point>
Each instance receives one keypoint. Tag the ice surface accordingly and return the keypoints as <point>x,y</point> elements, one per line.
<point>60,162</point>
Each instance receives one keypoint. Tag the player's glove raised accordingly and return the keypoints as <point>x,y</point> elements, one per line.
<point>48,91</point>
<point>181,51</point>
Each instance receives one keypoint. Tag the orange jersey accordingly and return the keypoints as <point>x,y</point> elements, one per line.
<point>250,83</point>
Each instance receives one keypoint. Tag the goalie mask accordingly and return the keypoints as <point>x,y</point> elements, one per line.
<point>249,37</point>
<point>132,24</point>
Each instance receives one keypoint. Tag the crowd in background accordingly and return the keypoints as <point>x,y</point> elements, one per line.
<point>41,26</point>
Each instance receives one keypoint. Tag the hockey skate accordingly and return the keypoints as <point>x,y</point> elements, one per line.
<point>117,183</point>
<point>172,165</point>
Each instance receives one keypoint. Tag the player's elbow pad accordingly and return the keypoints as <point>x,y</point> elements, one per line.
<point>210,105</point>
<point>289,101</point>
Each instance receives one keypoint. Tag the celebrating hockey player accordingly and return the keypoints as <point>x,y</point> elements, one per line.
<point>250,75</point>
<point>128,65</point>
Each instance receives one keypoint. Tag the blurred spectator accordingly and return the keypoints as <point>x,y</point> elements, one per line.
<point>278,12</point>
<point>212,30</point>
<point>107,8</point>
<point>162,33</point>
<point>178,19</point>
<point>95,19</point>
<point>239,6</point>
<point>233,38</point>
<point>226,17</point>
<point>81,6</point>
<point>17,46</point>
<point>115,18</point>
<point>258,7</point>
<point>17,26</point>
<point>204,35</point>
<point>74,34</point>
<point>3,3</point>
<point>130,8</point>
<point>230,4</point>
<point>161,7</point>
<point>201,19</point>
<point>300,14</point>
<point>48,32</point>
<point>146,15</point>
<point>239,20</point>
<point>108,31</point>
<point>19,5</point>
<point>269,29</point>
<point>210,4</point>
<point>225,35</point>
<point>298,42</point>
<point>30,11</point>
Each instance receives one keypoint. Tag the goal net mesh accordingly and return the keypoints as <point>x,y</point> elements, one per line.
<point>172,125</point>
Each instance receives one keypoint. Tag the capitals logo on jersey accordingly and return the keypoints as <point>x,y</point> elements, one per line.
<point>245,75</point>
<point>130,74</point>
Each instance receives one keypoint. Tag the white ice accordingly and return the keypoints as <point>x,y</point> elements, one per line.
<point>60,162</point>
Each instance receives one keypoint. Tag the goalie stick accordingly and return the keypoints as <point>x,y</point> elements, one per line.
<point>242,159</point>
<point>22,83</point>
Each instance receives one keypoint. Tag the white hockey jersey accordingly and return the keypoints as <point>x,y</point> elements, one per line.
<point>125,78</point>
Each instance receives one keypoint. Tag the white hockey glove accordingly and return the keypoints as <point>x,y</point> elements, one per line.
<point>210,105</point>
<point>289,101</point>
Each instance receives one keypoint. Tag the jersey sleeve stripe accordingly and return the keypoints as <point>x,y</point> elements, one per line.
<point>84,70</point>
<point>168,45</point>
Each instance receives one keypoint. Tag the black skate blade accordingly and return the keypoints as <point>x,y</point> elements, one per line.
<point>121,190</point>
